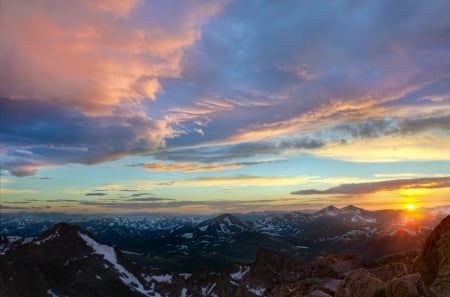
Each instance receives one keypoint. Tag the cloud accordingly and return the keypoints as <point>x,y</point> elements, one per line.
<point>211,204</point>
<point>93,56</point>
<point>340,82</point>
<point>224,153</point>
<point>95,194</point>
<point>377,127</point>
<point>12,207</point>
<point>196,167</point>
<point>47,135</point>
<point>422,147</point>
<point>388,185</point>
<point>15,191</point>
<point>242,180</point>
<point>149,199</point>
<point>141,194</point>
<point>207,83</point>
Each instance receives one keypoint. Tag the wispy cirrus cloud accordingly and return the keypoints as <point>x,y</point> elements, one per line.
<point>198,167</point>
<point>202,205</point>
<point>242,180</point>
<point>15,191</point>
<point>229,152</point>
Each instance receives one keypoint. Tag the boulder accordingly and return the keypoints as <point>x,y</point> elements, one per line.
<point>360,282</point>
<point>389,271</point>
<point>410,285</point>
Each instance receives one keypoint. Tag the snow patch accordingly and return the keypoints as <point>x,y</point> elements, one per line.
<point>203,228</point>
<point>358,218</point>
<point>239,274</point>
<point>27,240</point>
<point>188,235</point>
<point>165,278</point>
<point>183,292</point>
<point>410,232</point>
<point>11,241</point>
<point>224,228</point>
<point>51,293</point>
<point>256,291</point>
<point>48,238</point>
<point>227,219</point>
<point>110,255</point>
<point>205,291</point>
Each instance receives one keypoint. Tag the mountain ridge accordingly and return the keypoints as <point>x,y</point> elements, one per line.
<point>69,262</point>
<point>187,244</point>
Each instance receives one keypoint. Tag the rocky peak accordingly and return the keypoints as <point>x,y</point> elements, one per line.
<point>225,223</point>
<point>352,209</point>
<point>328,211</point>
<point>67,261</point>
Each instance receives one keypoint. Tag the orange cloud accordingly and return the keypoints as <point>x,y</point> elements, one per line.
<point>94,57</point>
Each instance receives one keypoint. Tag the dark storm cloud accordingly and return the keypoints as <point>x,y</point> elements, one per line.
<point>373,187</point>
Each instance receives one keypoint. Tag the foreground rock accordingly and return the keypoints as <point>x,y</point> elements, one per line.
<point>434,261</point>
<point>410,285</point>
<point>361,282</point>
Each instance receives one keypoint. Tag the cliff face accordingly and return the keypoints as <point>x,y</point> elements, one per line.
<point>433,263</point>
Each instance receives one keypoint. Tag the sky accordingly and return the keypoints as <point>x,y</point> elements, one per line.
<point>123,106</point>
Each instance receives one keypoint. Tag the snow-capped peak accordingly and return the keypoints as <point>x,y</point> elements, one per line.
<point>328,211</point>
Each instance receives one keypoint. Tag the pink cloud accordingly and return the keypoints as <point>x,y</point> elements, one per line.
<point>92,55</point>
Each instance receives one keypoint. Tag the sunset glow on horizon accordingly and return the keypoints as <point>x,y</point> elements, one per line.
<point>205,107</point>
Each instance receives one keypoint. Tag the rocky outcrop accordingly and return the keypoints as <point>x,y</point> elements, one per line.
<point>389,271</point>
<point>433,263</point>
<point>410,285</point>
<point>360,282</point>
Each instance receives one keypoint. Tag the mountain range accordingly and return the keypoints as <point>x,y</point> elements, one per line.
<point>67,260</point>
<point>170,243</point>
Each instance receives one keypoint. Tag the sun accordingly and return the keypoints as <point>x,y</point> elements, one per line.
<point>410,206</point>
